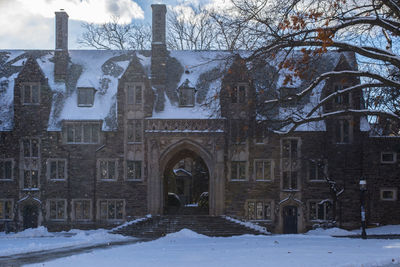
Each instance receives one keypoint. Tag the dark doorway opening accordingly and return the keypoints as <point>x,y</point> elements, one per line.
<point>290,220</point>
<point>186,184</point>
<point>30,216</point>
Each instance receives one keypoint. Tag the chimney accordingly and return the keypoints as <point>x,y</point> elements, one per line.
<point>61,52</point>
<point>158,47</point>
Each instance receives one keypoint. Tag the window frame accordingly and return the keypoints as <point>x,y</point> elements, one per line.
<point>56,200</point>
<point>324,170</point>
<point>387,189</point>
<point>235,93</point>
<point>89,90</point>
<point>115,219</point>
<point>340,140</point>
<point>317,203</point>
<point>127,170</point>
<point>338,100</point>
<point>294,164</point>
<point>191,94</point>
<point>389,162</point>
<point>57,160</point>
<point>3,200</point>
<point>107,160</point>
<point>132,123</point>
<point>30,84</point>
<point>264,202</point>
<point>81,125</point>
<point>260,127</point>
<point>133,95</point>
<point>74,201</point>
<point>239,163</point>
<point>271,170</point>
<point>3,161</point>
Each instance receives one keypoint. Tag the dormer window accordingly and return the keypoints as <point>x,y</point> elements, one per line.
<point>344,98</point>
<point>30,94</point>
<point>186,94</point>
<point>85,96</point>
<point>238,94</point>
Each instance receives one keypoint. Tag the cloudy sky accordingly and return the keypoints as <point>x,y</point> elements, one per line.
<point>29,24</point>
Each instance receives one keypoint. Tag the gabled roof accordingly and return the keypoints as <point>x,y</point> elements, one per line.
<point>101,69</point>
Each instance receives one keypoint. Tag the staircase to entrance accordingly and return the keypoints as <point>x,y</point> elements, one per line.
<point>158,226</point>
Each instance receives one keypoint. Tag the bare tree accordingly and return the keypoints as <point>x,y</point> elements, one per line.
<point>310,29</point>
<point>115,35</point>
<point>190,30</point>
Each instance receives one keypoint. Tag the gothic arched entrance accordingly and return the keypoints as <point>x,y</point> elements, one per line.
<point>186,184</point>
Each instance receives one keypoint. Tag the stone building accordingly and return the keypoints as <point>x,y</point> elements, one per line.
<point>90,138</point>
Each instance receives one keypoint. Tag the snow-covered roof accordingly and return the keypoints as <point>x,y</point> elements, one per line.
<point>101,70</point>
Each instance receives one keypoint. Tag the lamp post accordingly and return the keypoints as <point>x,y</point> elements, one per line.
<point>363,189</point>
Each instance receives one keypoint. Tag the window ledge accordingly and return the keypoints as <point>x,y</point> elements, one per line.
<point>264,180</point>
<point>291,190</point>
<point>57,180</point>
<point>6,180</point>
<point>30,189</point>
<point>135,143</point>
<point>317,181</point>
<point>134,180</point>
<point>57,220</point>
<point>238,180</point>
<point>6,220</point>
<point>108,180</point>
<point>85,105</point>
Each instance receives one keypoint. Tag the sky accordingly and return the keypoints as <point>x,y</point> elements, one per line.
<point>29,24</point>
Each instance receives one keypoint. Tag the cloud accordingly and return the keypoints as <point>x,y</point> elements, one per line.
<point>30,23</point>
<point>96,11</point>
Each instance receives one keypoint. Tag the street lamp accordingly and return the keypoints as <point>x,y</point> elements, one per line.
<point>363,189</point>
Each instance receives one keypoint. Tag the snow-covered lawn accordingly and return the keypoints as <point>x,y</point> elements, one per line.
<point>40,239</point>
<point>187,248</point>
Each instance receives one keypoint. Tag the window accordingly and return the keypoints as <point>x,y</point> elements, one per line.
<point>111,209</point>
<point>186,94</point>
<point>82,133</point>
<point>31,179</point>
<point>290,163</point>
<point>107,169</point>
<point>316,170</point>
<point>57,209</point>
<point>6,209</point>
<point>31,147</point>
<point>238,170</point>
<point>290,148</point>
<point>342,131</point>
<point>6,169</point>
<point>85,96</point>
<point>389,194</point>
<point>30,94</point>
<point>57,169</point>
<point>135,131</point>
<point>134,94</point>
<point>133,170</point>
<point>238,131</point>
<point>238,94</point>
<point>3,85</point>
<point>259,210</point>
<point>388,157</point>
<point>82,209</point>
<point>264,170</point>
<point>320,210</point>
<point>341,99</point>
<point>288,94</point>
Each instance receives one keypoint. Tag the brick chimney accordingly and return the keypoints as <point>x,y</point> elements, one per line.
<point>158,46</point>
<point>61,57</point>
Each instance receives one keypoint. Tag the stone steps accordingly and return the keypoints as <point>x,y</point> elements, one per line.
<point>158,226</point>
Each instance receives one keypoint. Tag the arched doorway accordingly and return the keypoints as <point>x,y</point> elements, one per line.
<point>29,212</point>
<point>186,184</point>
<point>170,158</point>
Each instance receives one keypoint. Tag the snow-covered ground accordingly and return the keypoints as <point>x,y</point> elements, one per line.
<point>187,248</point>
<point>39,239</point>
